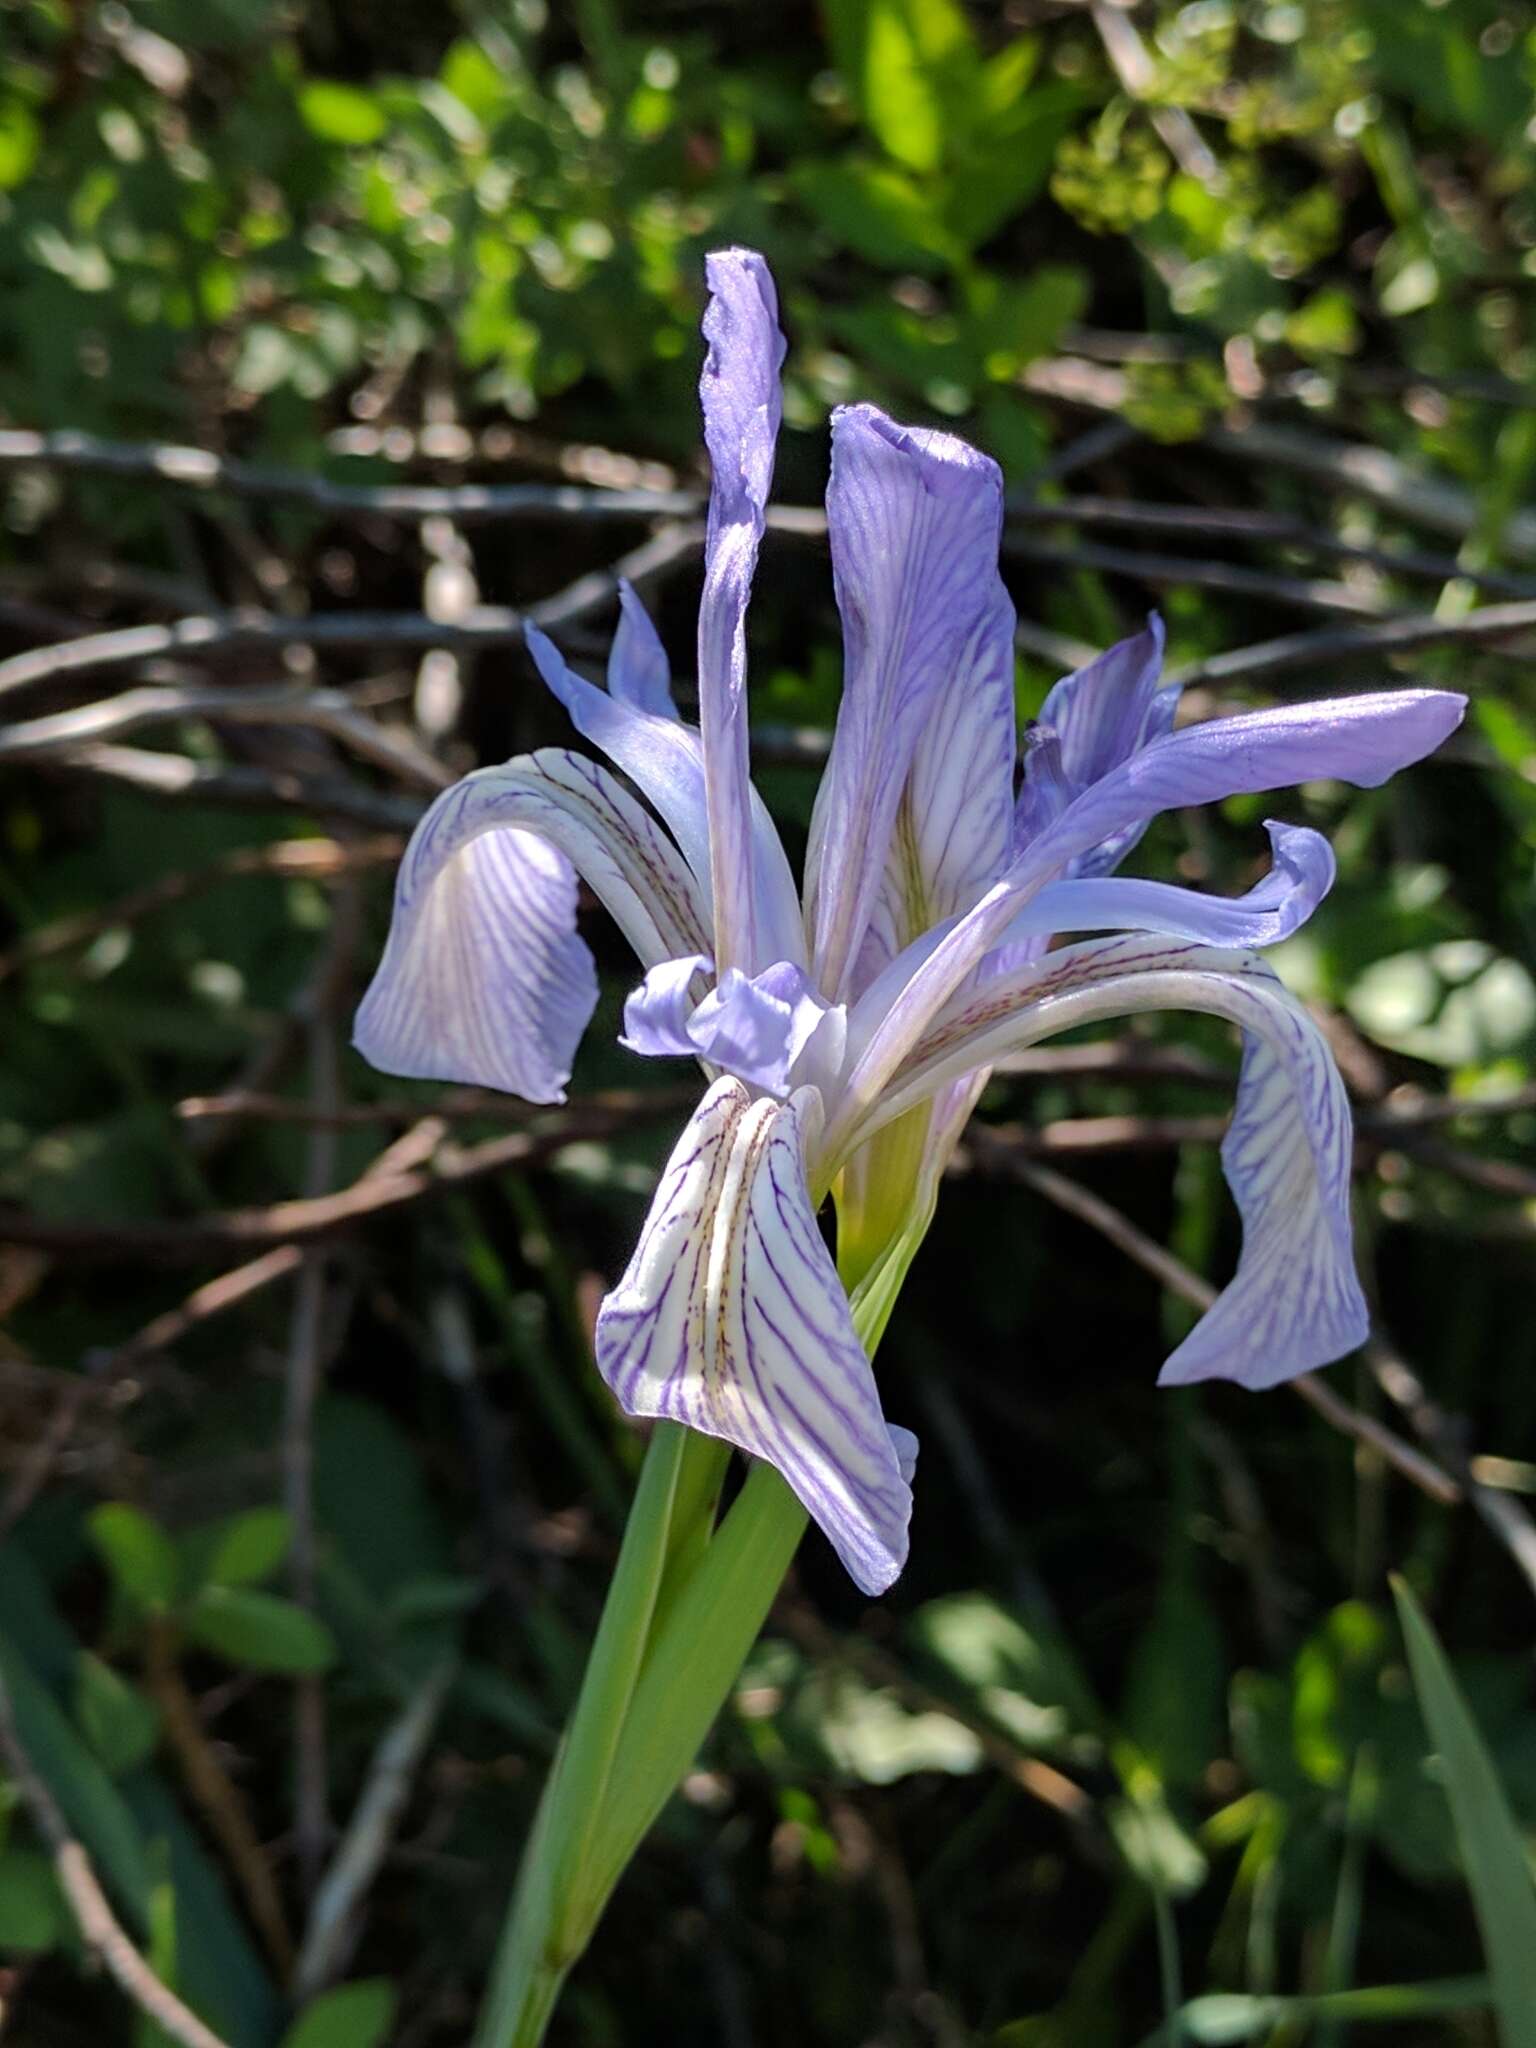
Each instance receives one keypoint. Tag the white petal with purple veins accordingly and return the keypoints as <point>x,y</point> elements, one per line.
<point>739,391</point>
<point>1294,1302</point>
<point>913,815</point>
<point>731,1319</point>
<point>1362,740</point>
<point>483,978</point>
<point>664,759</point>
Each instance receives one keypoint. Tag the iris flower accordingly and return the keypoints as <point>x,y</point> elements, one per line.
<point>847,1030</point>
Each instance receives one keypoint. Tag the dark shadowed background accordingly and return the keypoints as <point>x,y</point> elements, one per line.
<point>332,338</point>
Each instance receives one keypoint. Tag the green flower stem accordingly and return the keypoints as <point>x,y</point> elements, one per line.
<point>684,1609</point>
<point>531,1962</point>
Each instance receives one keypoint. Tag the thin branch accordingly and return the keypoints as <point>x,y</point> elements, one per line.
<point>329,1937</point>
<point>307,859</point>
<point>1486,626</point>
<point>308,1219</point>
<point>1183,1281</point>
<point>195,469</point>
<point>216,1797</point>
<point>1231,579</point>
<point>100,1929</point>
<point>1508,1519</point>
<point>175,778</point>
<point>289,705</point>
<point>1368,472</point>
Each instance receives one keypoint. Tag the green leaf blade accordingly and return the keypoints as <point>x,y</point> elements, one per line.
<point>1497,1867</point>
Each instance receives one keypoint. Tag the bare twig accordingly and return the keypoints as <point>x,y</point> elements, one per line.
<point>310,1218</point>
<point>1426,500</point>
<point>1485,627</point>
<point>178,779</point>
<point>1304,594</point>
<point>291,859</point>
<point>289,705</point>
<point>1183,1281</point>
<point>1508,1519</point>
<point>195,469</point>
<point>331,1932</point>
<point>216,1797</point>
<point>100,1929</point>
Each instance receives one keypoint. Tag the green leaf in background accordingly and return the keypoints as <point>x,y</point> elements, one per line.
<point>1497,1866</point>
<point>356,2015</point>
<point>878,212</point>
<point>33,1915</point>
<point>20,139</point>
<point>1025,1680</point>
<point>138,1553</point>
<point>121,1726</point>
<point>248,1548</point>
<point>340,113</point>
<point>1224,2018</point>
<point>258,1630</point>
<point>910,63</point>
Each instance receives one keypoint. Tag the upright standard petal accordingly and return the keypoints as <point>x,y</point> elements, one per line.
<point>483,978</point>
<point>639,672</point>
<point>913,816</point>
<point>664,759</point>
<point>739,391</point>
<point>1294,1302</point>
<point>1362,739</point>
<point>730,1319</point>
<point>1091,722</point>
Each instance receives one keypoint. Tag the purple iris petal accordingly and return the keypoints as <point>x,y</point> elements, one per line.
<point>913,813</point>
<point>1294,1302</point>
<point>739,390</point>
<point>1098,718</point>
<point>758,1028</point>
<point>664,759</point>
<point>1301,876</point>
<point>731,1319</point>
<point>639,672</point>
<point>484,978</point>
<point>656,1014</point>
<point>1362,740</point>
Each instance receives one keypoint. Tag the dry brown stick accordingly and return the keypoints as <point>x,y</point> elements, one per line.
<point>290,705</point>
<point>332,1927</point>
<point>1509,1520</point>
<point>307,859</point>
<point>44,1454</point>
<point>100,1929</point>
<point>457,1105</point>
<point>307,1219</point>
<point>175,778</point>
<point>215,1795</point>
<point>1188,1285</point>
<point>305,1371</point>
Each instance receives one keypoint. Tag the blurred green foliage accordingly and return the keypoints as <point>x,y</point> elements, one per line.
<point>1140,1702</point>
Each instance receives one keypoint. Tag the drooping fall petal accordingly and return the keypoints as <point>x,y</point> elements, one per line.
<point>1301,876</point>
<point>731,1319</point>
<point>1294,1302</point>
<point>1362,739</point>
<point>484,978</point>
